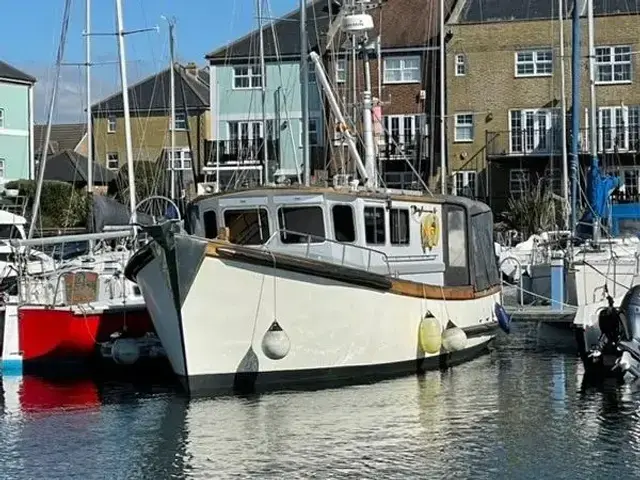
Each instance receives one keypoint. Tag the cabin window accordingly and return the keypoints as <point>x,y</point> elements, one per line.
<point>456,266</point>
<point>399,226</point>
<point>247,226</point>
<point>374,225</point>
<point>301,224</point>
<point>210,224</point>
<point>484,260</point>
<point>9,231</point>
<point>343,225</point>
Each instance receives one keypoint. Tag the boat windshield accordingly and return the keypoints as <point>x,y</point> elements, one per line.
<point>9,231</point>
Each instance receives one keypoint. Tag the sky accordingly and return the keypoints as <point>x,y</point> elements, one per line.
<point>34,26</point>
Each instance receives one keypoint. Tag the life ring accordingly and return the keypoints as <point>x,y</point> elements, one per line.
<point>430,231</point>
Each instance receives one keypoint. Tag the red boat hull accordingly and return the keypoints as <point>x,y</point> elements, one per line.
<point>63,333</point>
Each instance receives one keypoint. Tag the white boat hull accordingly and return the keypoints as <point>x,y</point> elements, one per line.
<point>338,332</point>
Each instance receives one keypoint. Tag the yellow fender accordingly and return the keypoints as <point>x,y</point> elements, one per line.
<point>430,231</point>
<point>430,334</point>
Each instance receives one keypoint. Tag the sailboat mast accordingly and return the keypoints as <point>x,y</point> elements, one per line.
<point>127,115</point>
<point>88,88</point>
<point>563,118</point>
<point>52,105</point>
<point>304,91</point>
<point>263,90</point>
<point>575,111</point>
<point>443,147</point>
<point>172,81</point>
<point>593,111</point>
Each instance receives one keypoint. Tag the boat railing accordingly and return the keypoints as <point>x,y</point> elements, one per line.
<point>311,242</point>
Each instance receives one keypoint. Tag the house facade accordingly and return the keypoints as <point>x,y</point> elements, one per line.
<point>504,96</point>
<point>404,74</point>
<point>16,124</point>
<point>239,130</point>
<point>150,109</point>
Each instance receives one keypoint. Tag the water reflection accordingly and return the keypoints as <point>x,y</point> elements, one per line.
<point>521,412</point>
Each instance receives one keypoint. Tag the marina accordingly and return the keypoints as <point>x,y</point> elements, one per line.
<point>320,254</point>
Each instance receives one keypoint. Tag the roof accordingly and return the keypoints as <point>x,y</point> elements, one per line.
<point>64,136</point>
<point>287,33</point>
<point>11,73</point>
<point>71,167</point>
<point>480,11</point>
<point>154,92</point>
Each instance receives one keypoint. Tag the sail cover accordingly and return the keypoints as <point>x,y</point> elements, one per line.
<point>108,211</point>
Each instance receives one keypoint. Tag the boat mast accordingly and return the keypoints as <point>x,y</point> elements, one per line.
<point>563,118</point>
<point>172,81</point>
<point>87,44</point>
<point>593,119</point>
<point>304,91</point>
<point>443,147</point>
<point>575,112</point>
<point>127,117</point>
<point>263,90</point>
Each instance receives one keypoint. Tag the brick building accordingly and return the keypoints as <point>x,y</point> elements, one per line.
<point>504,95</point>
<point>404,78</point>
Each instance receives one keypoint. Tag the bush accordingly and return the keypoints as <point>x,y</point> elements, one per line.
<point>535,211</point>
<point>61,205</point>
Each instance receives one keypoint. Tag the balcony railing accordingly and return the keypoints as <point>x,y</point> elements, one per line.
<point>540,142</point>
<point>396,150</point>
<point>240,151</point>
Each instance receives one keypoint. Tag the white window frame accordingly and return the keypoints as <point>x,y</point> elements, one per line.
<point>612,63</point>
<point>253,74</point>
<point>341,70</point>
<point>111,124</point>
<point>535,62</point>
<point>530,141</point>
<point>181,162</point>
<point>456,137</point>
<point>522,188</point>
<point>180,119</point>
<point>404,77</point>
<point>461,65</point>
<point>465,176</point>
<point>110,159</point>
<point>412,121</point>
<point>1,117</point>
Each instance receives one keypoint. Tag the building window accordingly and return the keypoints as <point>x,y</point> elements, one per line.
<point>314,138</point>
<point>344,229</point>
<point>301,224</point>
<point>613,64</point>
<point>399,226</point>
<point>113,163</point>
<point>246,77</point>
<point>464,183</point>
<point>181,159</point>
<point>461,65</point>
<point>341,70</point>
<point>180,122</point>
<point>464,127</point>
<point>618,128</point>
<point>312,73</point>
<point>537,131</point>
<point>111,124</point>
<point>374,225</point>
<point>402,70</point>
<point>2,167</point>
<point>518,181</point>
<point>534,63</point>
<point>1,117</point>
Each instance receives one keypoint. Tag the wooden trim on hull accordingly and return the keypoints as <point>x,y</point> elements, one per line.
<point>227,251</point>
<point>332,377</point>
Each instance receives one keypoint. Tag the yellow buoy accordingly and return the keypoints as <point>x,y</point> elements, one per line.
<point>430,334</point>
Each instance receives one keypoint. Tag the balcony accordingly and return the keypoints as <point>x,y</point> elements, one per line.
<point>240,152</point>
<point>540,142</point>
<point>393,151</point>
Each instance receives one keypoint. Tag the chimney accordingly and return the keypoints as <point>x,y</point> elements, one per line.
<point>191,68</point>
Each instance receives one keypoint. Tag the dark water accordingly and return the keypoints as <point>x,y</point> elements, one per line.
<point>520,413</point>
